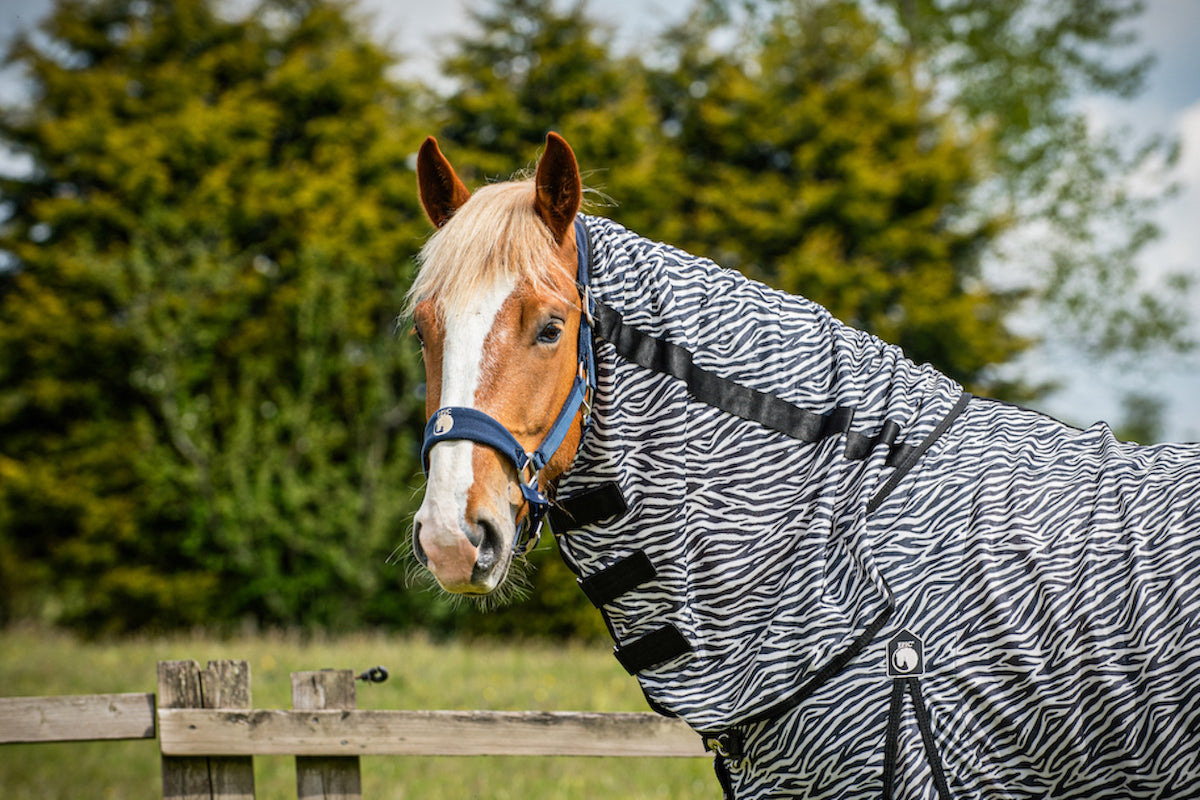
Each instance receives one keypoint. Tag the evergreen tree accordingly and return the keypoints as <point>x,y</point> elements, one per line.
<point>806,156</point>
<point>204,413</point>
<point>528,68</point>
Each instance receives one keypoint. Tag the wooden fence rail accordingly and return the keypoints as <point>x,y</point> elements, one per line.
<point>209,733</point>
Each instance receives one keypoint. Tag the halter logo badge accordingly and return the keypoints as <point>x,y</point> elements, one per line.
<point>444,422</point>
<point>905,655</point>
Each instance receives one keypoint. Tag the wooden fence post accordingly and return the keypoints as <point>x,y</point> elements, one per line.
<point>326,777</point>
<point>224,684</point>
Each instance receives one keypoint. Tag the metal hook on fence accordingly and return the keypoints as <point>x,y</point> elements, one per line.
<point>374,675</point>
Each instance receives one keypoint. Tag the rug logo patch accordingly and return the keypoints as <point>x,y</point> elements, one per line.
<point>905,655</point>
<point>444,422</point>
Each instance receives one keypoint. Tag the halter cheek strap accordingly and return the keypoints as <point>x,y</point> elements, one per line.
<point>460,422</point>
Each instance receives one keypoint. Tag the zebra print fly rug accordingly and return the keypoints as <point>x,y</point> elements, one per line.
<point>854,580</point>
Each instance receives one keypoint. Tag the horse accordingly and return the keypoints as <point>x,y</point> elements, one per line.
<point>850,577</point>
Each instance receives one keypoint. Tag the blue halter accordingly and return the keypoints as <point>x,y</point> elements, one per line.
<point>460,422</point>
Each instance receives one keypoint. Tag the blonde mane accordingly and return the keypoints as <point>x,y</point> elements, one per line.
<point>495,234</point>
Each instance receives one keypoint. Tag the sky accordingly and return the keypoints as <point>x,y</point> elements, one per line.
<point>422,31</point>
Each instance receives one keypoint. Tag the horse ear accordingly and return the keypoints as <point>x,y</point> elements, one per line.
<point>559,188</point>
<point>441,191</point>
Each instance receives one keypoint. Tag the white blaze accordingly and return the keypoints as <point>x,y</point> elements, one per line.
<point>442,516</point>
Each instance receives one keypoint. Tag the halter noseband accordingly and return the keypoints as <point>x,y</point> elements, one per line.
<point>461,422</point>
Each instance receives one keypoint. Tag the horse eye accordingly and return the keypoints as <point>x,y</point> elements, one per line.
<point>550,334</point>
<point>417,333</point>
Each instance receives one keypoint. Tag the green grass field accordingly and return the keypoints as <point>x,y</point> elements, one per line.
<point>539,676</point>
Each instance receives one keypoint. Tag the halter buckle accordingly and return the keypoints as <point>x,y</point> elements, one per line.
<point>589,394</point>
<point>585,296</point>
<point>522,549</point>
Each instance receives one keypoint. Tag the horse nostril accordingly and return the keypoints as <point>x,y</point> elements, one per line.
<point>419,551</point>
<point>476,533</point>
<point>489,546</point>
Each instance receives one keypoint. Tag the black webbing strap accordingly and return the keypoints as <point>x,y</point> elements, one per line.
<point>859,445</point>
<point>652,649</point>
<point>915,454</point>
<point>897,454</point>
<point>891,741</point>
<point>587,507</point>
<point>741,401</point>
<point>617,578</point>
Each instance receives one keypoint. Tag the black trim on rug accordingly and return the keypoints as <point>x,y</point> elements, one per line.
<point>741,401</point>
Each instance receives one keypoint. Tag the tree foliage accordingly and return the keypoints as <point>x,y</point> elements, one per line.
<point>204,411</point>
<point>527,68</point>
<point>809,158</point>
<point>1015,72</point>
<point>206,415</point>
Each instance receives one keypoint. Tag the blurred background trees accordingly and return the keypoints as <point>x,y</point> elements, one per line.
<point>206,414</point>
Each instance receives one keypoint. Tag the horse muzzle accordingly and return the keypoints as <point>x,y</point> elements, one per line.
<point>467,559</point>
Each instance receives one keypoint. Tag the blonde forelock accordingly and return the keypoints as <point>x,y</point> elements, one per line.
<point>495,235</point>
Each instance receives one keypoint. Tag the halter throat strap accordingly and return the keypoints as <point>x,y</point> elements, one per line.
<point>461,422</point>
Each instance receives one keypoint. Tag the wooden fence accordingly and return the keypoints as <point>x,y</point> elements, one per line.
<point>208,733</point>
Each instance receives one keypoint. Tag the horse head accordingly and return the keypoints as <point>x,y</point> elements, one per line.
<point>497,309</point>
